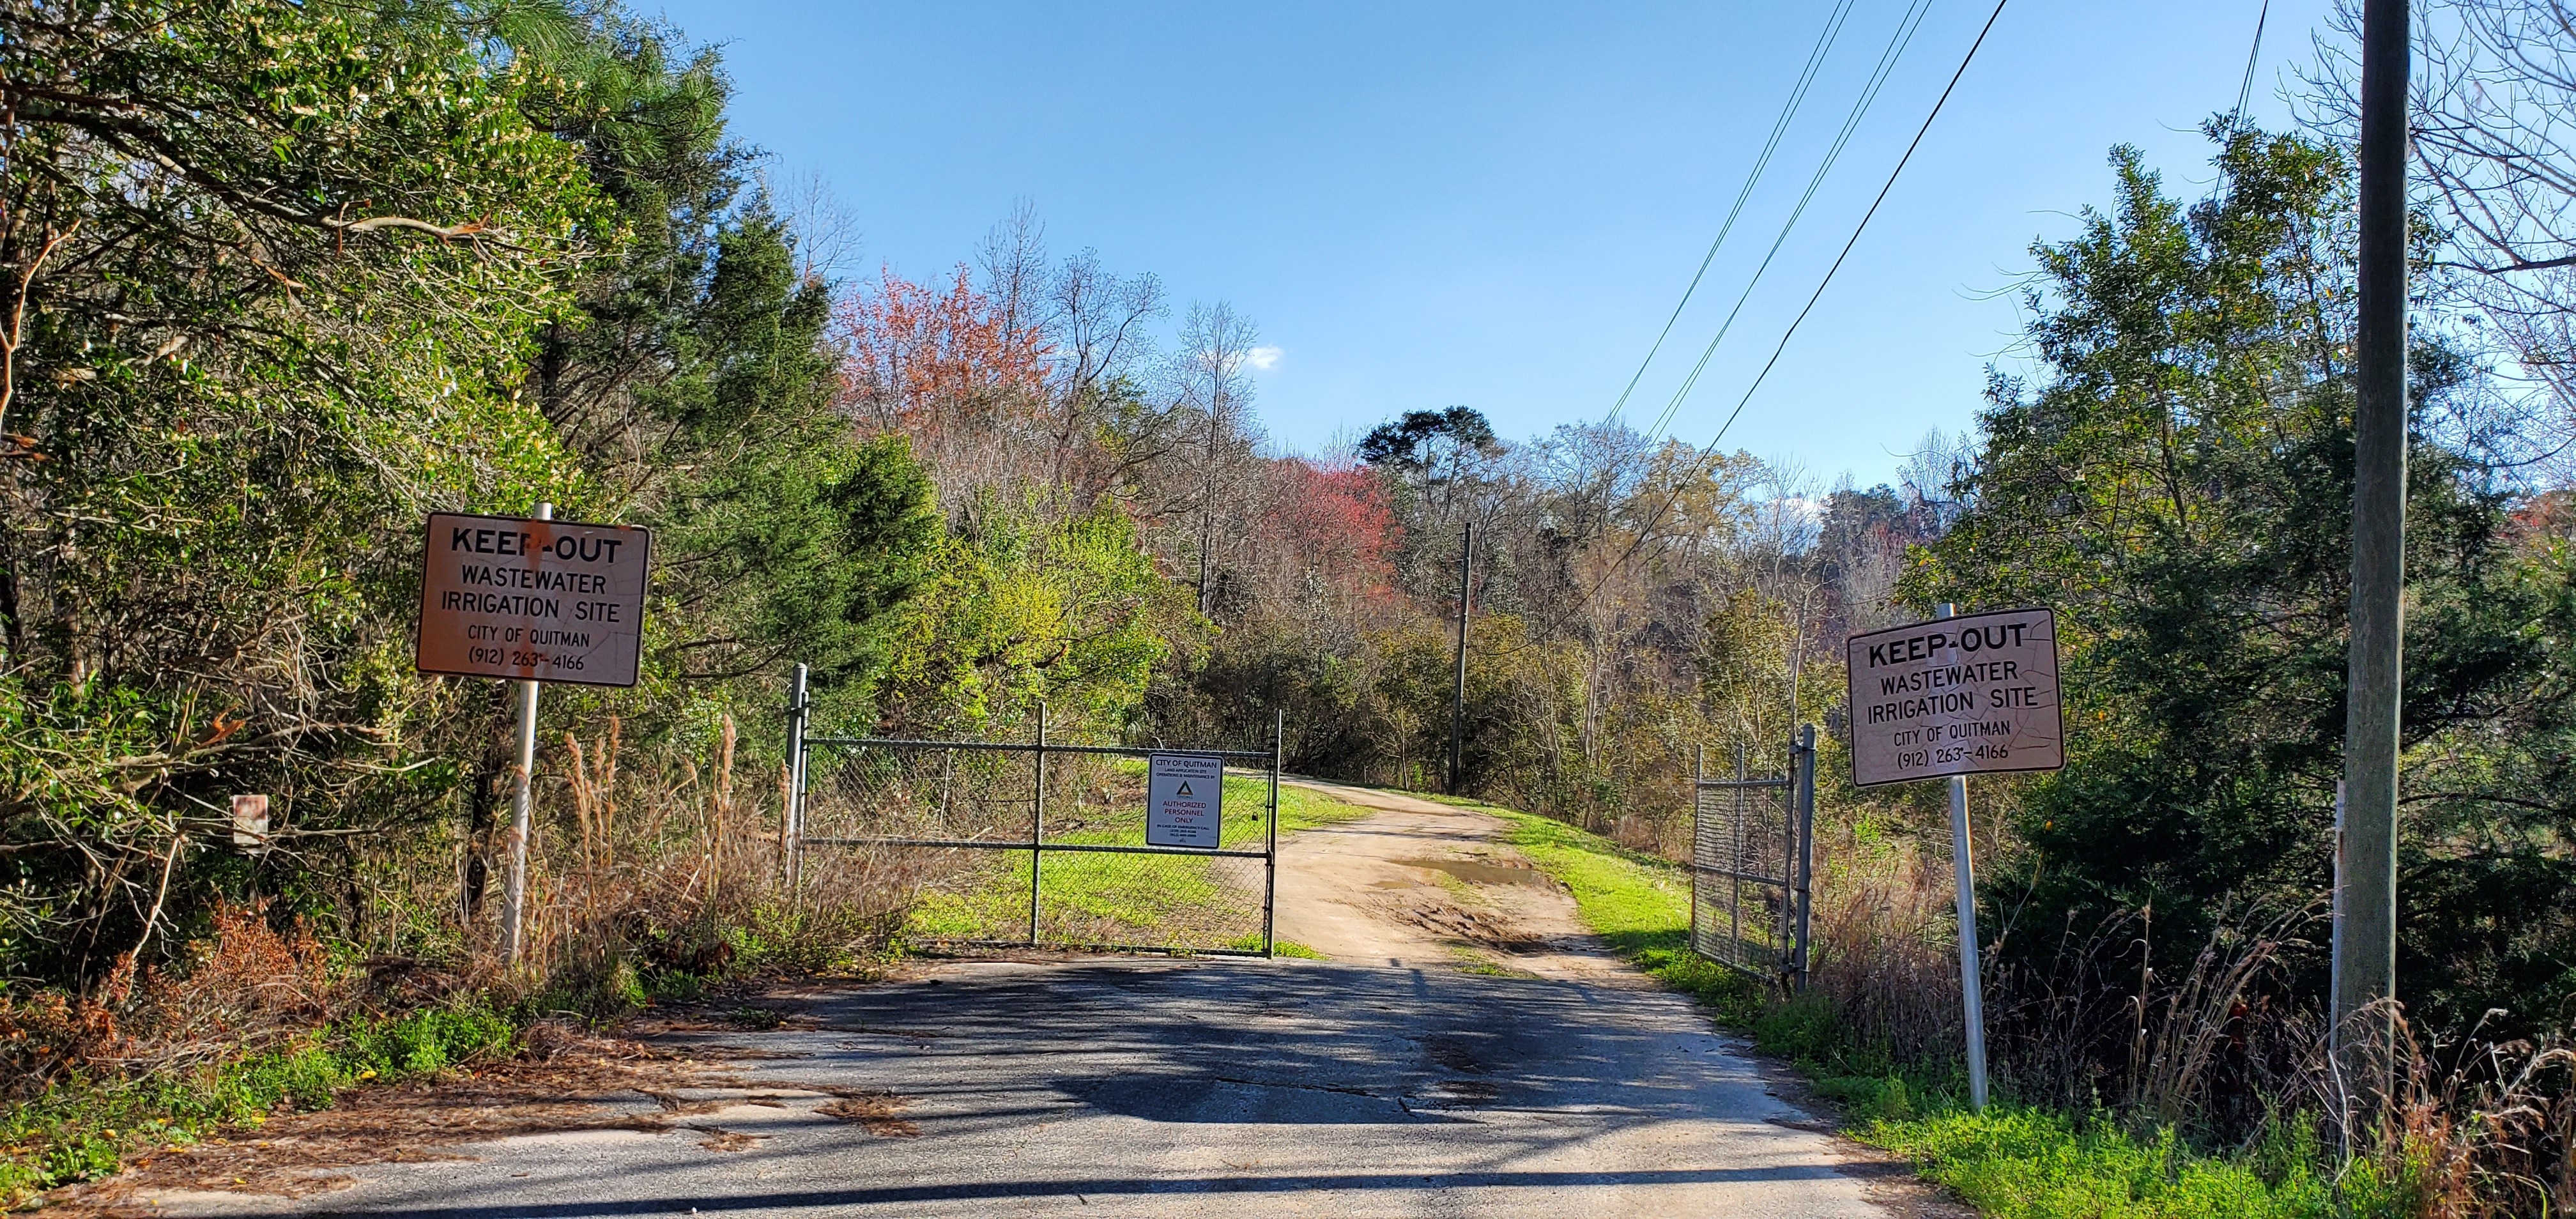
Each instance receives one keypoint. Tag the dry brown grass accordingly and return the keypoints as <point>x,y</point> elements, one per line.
<point>563,1081</point>
<point>247,986</point>
<point>875,1112</point>
<point>2473,1130</point>
<point>667,868</point>
<point>1885,952</point>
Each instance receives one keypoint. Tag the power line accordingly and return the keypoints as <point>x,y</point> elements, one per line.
<point>1863,226</point>
<point>2244,95</point>
<point>1779,126</point>
<point>1903,37</point>
<point>1673,492</point>
<point>2245,92</point>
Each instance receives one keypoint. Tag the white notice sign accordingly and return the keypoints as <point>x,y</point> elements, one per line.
<point>1956,696</point>
<point>1184,800</point>
<point>558,601</point>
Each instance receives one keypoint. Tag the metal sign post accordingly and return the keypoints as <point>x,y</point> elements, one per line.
<point>1963,873</point>
<point>514,902</point>
<point>1961,695</point>
<point>1972,985</point>
<point>530,599</point>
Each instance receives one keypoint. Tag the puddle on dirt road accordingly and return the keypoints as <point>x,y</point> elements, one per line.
<point>1477,873</point>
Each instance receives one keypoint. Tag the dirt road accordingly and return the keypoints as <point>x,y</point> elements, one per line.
<point>1466,1051</point>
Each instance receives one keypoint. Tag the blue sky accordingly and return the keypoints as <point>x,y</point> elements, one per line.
<point>1498,204</point>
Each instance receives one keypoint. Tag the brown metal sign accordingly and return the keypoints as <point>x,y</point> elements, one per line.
<point>556,601</point>
<point>1956,696</point>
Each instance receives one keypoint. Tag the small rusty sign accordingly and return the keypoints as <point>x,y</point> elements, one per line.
<point>250,822</point>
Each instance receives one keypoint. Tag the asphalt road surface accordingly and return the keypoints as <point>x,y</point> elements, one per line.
<point>1467,1052</point>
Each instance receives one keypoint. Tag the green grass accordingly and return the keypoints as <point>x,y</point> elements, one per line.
<point>1638,903</point>
<point>2013,1161</point>
<point>82,1129</point>
<point>1303,808</point>
<point>1149,900</point>
<point>2033,1164</point>
<point>1251,942</point>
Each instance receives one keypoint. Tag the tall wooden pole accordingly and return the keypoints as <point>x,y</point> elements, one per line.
<point>2366,951</point>
<point>1458,691</point>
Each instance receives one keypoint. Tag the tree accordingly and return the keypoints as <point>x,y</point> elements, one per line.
<point>1215,375</point>
<point>2177,486</point>
<point>1434,448</point>
<point>271,272</point>
<point>2494,142</point>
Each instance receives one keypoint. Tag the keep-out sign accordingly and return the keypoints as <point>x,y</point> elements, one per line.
<point>555,601</point>
<point>1956,696</point>
<point>1184,800</point>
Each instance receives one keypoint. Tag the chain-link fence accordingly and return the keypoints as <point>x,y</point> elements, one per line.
<point>1004,844</point>
<point>1751,865</point>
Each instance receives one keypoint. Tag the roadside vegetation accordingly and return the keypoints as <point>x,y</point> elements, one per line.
<point>279,279</point>
<point>2017,1160</point>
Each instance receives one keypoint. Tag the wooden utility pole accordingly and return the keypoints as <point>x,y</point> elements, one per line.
<point>1458,691</point>
<point>2366,948</point>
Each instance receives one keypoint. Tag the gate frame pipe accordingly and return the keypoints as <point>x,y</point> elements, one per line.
<point>1270,852</point>
<point>1699,775</point>
<point>1037,825</point>
<point>1735,871</point>
<point>798,708</point>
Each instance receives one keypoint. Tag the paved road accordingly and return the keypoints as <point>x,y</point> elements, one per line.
<point>1348,1088</point>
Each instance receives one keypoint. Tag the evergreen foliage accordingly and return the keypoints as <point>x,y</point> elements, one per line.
<point>2178,487</point>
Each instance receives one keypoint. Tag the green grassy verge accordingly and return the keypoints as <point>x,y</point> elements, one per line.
<point>2034,1164</point>
<point>2013,1161</point>
<point>1158,900</point>
<point>81,1130</point>
<point>1639,903</point>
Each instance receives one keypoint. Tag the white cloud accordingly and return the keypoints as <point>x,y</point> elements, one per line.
<point>1263,358</point>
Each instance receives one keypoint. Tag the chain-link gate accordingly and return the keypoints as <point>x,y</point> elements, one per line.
<point>1031,843</point>
<point>1753,863</point>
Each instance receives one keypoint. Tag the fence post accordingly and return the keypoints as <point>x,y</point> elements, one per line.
<point>1735,872</point>
<point>1699,772</point>
<point>1784,929</point>
<point>797,713</point>
<point>1270,860</point>
<point>1805,778</point>
<point>1037,827</point>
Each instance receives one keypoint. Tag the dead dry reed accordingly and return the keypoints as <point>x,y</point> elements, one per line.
<point>2225,1053</point>
<point>664,869</point>
<point>1885,958</point>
